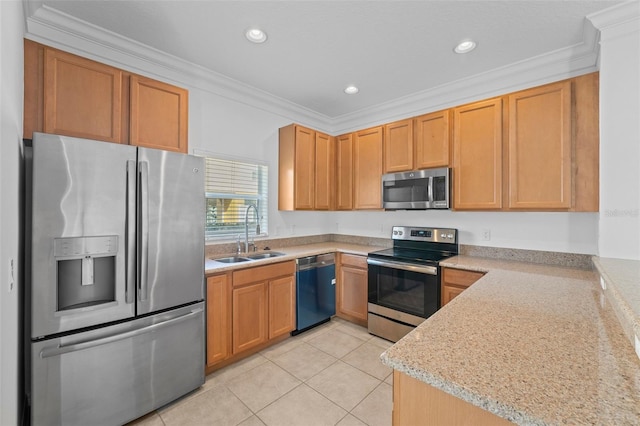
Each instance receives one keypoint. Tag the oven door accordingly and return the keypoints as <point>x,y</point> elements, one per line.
<point>405,287</point>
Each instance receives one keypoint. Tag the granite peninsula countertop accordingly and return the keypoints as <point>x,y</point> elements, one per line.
<point>534,344</point>
<point>290,253</point>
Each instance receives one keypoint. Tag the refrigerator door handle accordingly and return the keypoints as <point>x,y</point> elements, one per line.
<point>131,232</point>
<point>63,349</point>
<point>143,226</point>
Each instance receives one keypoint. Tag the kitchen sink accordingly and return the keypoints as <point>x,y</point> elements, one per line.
<point>265,255</point>
<point>233,259</point>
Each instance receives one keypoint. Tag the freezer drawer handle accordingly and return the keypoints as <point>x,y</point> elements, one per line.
<point>60,349</point>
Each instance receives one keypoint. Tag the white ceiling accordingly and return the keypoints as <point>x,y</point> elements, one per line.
<point>389,49</point>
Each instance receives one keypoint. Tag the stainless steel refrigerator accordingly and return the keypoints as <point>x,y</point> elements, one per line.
<point>114,272</point>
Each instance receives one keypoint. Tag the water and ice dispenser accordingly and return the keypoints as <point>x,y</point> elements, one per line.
<point>86,271</point>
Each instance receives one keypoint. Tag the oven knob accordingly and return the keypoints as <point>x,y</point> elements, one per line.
<point>443,236</point>
<point>449,236</point>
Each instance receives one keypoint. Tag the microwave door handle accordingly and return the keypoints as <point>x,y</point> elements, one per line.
<point>430,190</point>
<point>130,233</point>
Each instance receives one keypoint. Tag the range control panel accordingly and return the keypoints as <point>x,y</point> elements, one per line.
<point>434,235</point>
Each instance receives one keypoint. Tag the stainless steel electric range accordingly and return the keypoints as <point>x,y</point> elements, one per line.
<point>404,281</point>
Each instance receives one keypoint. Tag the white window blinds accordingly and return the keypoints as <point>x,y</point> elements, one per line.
<point>231,186</point>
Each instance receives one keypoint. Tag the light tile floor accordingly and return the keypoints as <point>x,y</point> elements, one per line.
<point>330,375</point>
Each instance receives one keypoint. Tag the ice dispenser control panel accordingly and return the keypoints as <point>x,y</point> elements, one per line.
<point>76,247</point>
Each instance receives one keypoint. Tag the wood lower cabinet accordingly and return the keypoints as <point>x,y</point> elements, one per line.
<point>431,134</point>
<point>74,96</point>
<point>398,146</point>
<point>263,304</point>
<point>158,115</point>
<point>352,285</point>
<point>455,281</point>
<point>367,169</point>
<point>344,172</point>
<point>417,403</point>
<point>477,156</point>
<point>282,307</point>
<point>218,318</point>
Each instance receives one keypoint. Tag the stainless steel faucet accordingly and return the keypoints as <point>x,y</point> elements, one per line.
<point>246,226</point>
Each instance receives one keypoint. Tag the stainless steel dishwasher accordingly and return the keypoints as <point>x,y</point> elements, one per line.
<point>315,290</point>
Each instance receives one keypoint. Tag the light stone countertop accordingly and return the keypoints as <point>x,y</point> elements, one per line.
<point>293,252</point>
<point>534,344</point>
<point>622,284</point>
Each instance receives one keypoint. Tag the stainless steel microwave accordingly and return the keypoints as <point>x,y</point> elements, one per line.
<point>417,190</point>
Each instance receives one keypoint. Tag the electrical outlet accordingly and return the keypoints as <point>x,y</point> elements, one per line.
<point>486,235</point>
<point>11,274</point>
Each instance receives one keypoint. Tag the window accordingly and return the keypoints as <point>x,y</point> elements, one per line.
<point>231,186</point>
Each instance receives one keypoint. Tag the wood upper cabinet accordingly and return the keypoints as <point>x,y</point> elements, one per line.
<point>218,318</point>
<point>539,148</point>
<point>159,115</point>
<point>455,281</point>
<point>82,98</point>
<point>432,139</point>
<point>306,169</point>
<point>344,172</point>
<point>73,96</point>
<point>325,160</point>
<point>367,170</point>
<point>352,285</point>
<point>398,146</point>
<point>477,156</point>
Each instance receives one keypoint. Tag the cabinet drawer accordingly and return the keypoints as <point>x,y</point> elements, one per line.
<point>460,277</point>
<point>353,260</point>
<point>263,273</point>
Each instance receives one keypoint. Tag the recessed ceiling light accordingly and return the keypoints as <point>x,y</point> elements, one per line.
<point>465,46</point>
<point>256,35</point>
<point>351,90</point>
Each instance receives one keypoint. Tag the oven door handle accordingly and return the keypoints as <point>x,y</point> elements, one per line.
<point>431,270</point>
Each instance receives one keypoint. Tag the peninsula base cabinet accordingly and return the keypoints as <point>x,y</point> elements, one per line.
<point>351,294</point>
<point>417,403</point>
<point>455,281</point>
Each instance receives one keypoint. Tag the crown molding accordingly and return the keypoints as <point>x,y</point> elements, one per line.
<point>49,26</point>
<point>617,21</point>
<point>572,61</point>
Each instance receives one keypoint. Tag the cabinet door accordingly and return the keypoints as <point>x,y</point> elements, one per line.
<point>398,146</point>
<point>282,309</point>
<point>540,148</point>
<point>431,140</point>
<point>368,169</point>
<point>218,319</point>
<point>303,170</point>
<point>249,316</point>
<point>344,172</point>
<point>477,156</point>
<point>352,291</point>
<point>449,292</point>
<point>82,98</point>
<point>325,172</point>
<point>159,115</point>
